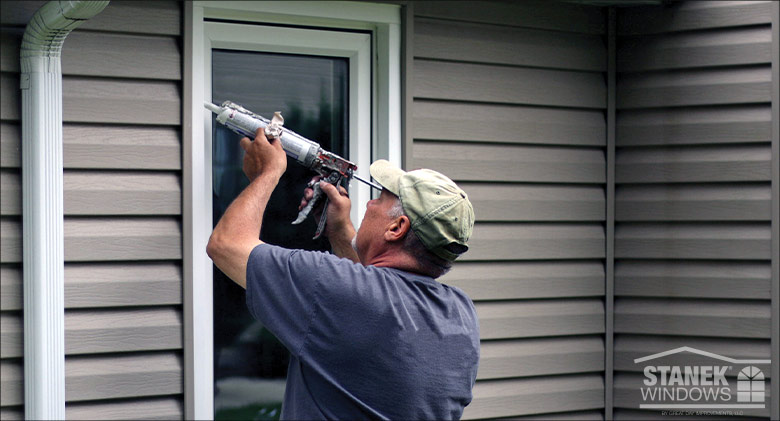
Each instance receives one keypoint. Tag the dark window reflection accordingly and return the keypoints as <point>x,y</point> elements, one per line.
<point>250,364</point>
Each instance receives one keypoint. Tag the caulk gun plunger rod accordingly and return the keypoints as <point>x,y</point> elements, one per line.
<point>372,184</point>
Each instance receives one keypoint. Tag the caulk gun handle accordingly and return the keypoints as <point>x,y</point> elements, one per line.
<point>333,178</point>
<point>315,197</point>
<point>323,219</point>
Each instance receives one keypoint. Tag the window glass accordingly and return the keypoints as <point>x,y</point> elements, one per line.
<point>250,365</point>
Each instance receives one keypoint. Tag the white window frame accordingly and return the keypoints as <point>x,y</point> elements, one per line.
<point>379,63</point>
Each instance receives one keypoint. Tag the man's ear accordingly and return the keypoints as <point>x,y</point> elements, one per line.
<point>397,229</point>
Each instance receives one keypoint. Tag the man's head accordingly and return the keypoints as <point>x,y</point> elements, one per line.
<point>421,213</point>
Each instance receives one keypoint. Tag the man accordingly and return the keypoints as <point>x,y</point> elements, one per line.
<point>371,333</point>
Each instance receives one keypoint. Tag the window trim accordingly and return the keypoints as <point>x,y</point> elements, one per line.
<point>383,21</point>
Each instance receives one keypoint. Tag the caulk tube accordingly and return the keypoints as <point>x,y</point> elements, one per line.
<point>296,146</point>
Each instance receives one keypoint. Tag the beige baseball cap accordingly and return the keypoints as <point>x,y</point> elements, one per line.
<point>440,212</point>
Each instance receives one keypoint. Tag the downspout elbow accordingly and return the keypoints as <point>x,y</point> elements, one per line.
<point>46,31</point>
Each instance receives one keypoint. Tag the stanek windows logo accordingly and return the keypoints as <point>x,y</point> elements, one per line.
<point>702,387</point>
<point>750,385</point>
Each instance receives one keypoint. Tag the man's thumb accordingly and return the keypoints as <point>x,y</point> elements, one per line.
<point>329,189</point>
<point>335,193</point>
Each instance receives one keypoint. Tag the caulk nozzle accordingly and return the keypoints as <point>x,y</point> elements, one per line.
<point>214,108</point>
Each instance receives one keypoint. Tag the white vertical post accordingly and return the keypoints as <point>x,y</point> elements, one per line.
<point>774,412</point>
<point>42,205</point>
<point>198,295</point>
<point>44,331</point>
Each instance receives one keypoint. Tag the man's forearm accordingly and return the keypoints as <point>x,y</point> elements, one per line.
<point>238,231</point>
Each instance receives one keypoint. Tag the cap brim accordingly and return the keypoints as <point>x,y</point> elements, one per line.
<point>387,175</point>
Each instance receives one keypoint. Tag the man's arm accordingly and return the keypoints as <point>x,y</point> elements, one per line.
<point>238,231</point>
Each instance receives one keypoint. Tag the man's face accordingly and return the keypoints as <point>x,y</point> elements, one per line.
<point>369,239</point>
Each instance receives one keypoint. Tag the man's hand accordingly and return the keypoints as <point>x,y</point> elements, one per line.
<point>263,157</point>
<point>339,228</point>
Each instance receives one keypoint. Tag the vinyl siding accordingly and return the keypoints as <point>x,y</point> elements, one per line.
<point>122,203</point>
<point>509,101</point>
<point>693,198</point>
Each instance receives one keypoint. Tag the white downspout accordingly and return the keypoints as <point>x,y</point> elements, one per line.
<point>42,209</point>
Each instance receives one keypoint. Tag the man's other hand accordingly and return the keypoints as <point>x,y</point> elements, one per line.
<point>263,157</point>
<point>339,228</point>
<point>339,206</point>
<point>308,194</point>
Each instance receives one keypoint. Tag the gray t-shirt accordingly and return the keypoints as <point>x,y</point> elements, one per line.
<point>365,342</point>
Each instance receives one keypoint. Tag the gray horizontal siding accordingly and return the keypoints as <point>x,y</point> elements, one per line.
<point>518,163</point>
<point>663,316</point>
<point>445,40</point>
<point>567,416</point>
<point>695,202</point>
<point>528,279</point>
<point>534,241</point>
<point>105,193</point>
<point>112,284</point>
<point>100,331</point>
<point>164,408</point>
<point>535,14</point>
<point>536,202</point>
<point>122,204</point>
<point>509,101</point>
<point>128,16</point>
<point>562,317</point>
<point>87,100</point>
<point>496,84</point>
<point>693,197</point>
<point>575,392</point>
<point>743,241</point>
<point>540,357</point>
<point>729,47</point>
<point>112,377</point>
<point>695,126</point>
<point>508,124</point>
<point>114,101</point>
<point>693,15</point>
<point>692,279</point>
<point>104,147</point>
<point>111,239</point>
<point>722,163</point>
<point>107,55</point>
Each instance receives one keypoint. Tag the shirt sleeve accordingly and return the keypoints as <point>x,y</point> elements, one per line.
<point>280,291</point>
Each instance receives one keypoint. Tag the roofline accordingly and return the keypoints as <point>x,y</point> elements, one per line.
<point>700,352</point>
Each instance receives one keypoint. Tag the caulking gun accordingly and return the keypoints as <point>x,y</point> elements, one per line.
<point>331,167</point>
